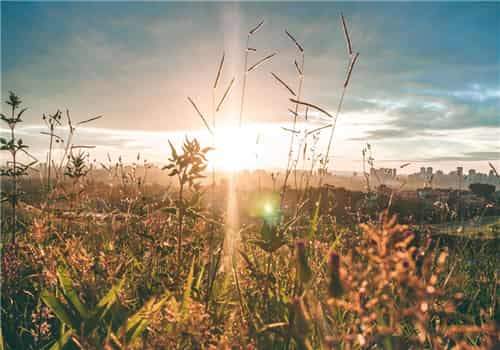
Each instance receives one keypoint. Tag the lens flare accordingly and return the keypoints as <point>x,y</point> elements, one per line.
<point>268,208</point>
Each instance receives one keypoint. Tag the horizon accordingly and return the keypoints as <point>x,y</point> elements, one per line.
<point>428,96</point>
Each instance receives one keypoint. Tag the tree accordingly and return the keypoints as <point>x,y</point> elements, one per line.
<point>482,190</point>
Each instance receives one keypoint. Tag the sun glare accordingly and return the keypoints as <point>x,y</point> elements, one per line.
<point>235,149</point>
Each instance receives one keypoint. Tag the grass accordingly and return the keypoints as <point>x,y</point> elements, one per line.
<point>124,264</point>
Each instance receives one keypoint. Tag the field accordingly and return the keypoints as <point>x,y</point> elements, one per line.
<point>128,265</point>
<point>115,261</point>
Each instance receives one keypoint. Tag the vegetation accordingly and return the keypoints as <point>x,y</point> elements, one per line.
<point>126,265</point>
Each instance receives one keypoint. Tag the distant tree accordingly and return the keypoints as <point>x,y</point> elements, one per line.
<point>482,190</point>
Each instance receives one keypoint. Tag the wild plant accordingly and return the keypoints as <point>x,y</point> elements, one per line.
<point>106,325</point>
<point>14,168</point>
<point>51,121</point>
<point>69,146</point>
<point>188,168</point>
<point>353,57</point>
<point>295,111</point>
<point>247,69</point>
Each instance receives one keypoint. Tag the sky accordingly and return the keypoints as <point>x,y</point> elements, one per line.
<point>425,90</point>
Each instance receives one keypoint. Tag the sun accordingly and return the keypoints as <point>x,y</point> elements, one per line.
<point>236,149</point>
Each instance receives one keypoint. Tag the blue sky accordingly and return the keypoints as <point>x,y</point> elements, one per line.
<point>426,88</point>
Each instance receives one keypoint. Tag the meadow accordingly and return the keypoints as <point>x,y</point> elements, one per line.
<point>121,263</point>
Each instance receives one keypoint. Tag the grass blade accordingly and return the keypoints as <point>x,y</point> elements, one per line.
<point>89,120</point>
<point>301,49</point>
<point>319,129</point>
<point>346,34</point>
<point>290,130</point>
<point>200,115</point>
<point>228,90</point>
<point>283,83</point>
<point>219,71</point>
<point>297,67</point>
<point>259,62</point>
<point>256,28</point>
<point>349,71</point>
<point>312,106</point>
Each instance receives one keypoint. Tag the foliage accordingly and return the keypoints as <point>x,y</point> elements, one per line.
<point>15,168</point>
<point>482,190</point>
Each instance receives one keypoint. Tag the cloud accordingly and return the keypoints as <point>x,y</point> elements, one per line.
<point>467,156</point>
<point>420,93</point>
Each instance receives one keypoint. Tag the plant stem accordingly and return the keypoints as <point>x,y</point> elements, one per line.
<point>50,156</point>
<point>14,180</point>
<point>292,138</point>
<point>244,84</point>
<point>327,154</point>
<point>179,232</point>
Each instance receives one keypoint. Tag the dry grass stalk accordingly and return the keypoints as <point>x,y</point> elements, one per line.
<point>245,71</point>
<point>283,83</point>
<point>81,146</point>
<point>301,49</point>
<point>319,129</point>
<point>57,137</point>
<point>299,70</point>
<point>312,106</point>
<point>89,120</point>
<point>226,93</point>
<point>346,33</point>
<point>200,115</point>
<point>349,71</point>
<point>493,168</point>
<point>256,28</point>
<point>290,130</point>
<point>219,71</point>
<point>346,83</point>
<point>259,62</point>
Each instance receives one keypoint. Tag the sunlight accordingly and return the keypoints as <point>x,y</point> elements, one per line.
<point>268,208</point>
<point>235,149</point>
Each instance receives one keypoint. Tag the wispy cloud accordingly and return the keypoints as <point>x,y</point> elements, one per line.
<point>421,93</point>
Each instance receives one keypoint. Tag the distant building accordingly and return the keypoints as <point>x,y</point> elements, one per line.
<point>383,175</point>
<point>454,179</point>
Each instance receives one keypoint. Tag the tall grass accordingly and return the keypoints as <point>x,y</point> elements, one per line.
<point>121,263</point>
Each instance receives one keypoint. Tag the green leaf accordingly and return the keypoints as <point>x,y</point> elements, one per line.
<point>1,340</point>
<point>170,210</point>
<point>172,148</point>
<point>186,298</point>
<point>62,341</point>
<point>21,113</point>
<point>109,299</point>
<point>70,294</point>
<point>60,310</point>
<point>137,323</point>
<point>314,222</point>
